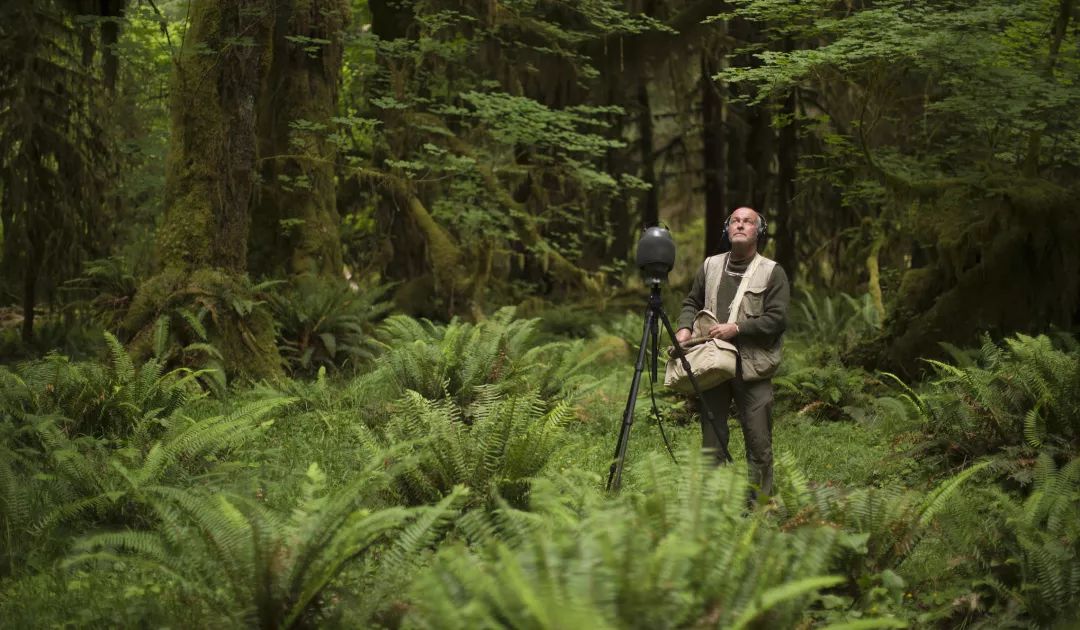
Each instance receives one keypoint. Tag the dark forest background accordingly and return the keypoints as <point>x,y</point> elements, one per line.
<point>464,155</point>
<point>397,218</point>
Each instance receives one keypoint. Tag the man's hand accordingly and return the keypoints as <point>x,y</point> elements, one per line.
<point>683,335</point>
<point>724,331</point>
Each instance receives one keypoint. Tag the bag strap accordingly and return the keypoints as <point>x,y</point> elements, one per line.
<point>712,280</point>
<point>733,309</point>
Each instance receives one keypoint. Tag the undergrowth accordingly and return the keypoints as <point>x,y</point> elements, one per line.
<point>452,476</point>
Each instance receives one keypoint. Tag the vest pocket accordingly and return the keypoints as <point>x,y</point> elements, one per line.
<point>754,303</point>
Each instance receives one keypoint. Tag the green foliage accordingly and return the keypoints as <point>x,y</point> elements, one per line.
<point>90,480</point>
<point>1044,536</point>
<point>324,323</point>
<point>503,150</point>
<point>1025,394</point>
<point>495,446</point>
<point>180,337</point>
<point>105,289</point>
<point>831,392</point>
<point>882,525</point>
<point>264,567</point>
<point>1007,560</point>
<point>676,553</point>
<point>835,322</point>
<point>93,399</point>
<point>452,361</point>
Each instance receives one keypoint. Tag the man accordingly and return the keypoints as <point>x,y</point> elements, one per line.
<point>761,318</point>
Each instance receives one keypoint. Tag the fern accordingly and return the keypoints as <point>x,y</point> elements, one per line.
<point>454,360</point>
<point>272,566</point>
<point>109,401</point>
<point>883,525</point>
<point>101,484</point>
<point>1025,393</point>
<point>325,323</point>
<point>677,553</point>
<point>496,445</point>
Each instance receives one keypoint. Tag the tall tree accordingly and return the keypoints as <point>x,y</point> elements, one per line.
<point>54,160</point>
<point>714,148</point>
<point>203,236</point>
<point>295,213</point>
<point>935,139</point>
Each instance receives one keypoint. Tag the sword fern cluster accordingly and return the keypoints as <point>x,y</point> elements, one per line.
<point>677,553</point>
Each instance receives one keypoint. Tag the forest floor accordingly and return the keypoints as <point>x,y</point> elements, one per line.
<point>872,524</point>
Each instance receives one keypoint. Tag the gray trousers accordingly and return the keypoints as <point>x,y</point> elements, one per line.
<point>753,406</point>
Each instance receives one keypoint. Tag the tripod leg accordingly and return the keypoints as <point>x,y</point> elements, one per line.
<point>724,454</point>
<point>615,474</point>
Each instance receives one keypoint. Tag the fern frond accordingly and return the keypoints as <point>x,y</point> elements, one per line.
<point>937,498</point>
<point>122,366</point>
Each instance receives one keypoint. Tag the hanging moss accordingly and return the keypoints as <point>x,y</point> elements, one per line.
<point>1001,264</point>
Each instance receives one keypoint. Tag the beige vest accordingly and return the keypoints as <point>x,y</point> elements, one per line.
<point>758,361</point>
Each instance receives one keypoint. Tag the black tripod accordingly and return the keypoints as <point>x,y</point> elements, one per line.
<point>654,314</point>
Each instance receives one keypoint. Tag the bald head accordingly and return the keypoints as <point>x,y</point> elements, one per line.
<point>743,230</point>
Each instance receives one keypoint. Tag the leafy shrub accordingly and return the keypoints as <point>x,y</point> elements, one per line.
<point>1023,395</point>
<point>322,322</point>
<point>181,339</point>
<point>267,568</point>
<point>677,554</point>
<point>88,479</point>
<point>884,524</point>
<point>836,322</point>
<point>831,392</point>
<point>94,399</point>
<point>1007,560</point>
<point>453,360</point>
<point>494,446</point>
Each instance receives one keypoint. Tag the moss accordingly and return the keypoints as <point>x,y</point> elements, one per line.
<point>241,329</point>
<point>298,184</point>
<point>210,175</point>
<point>1002,264</point>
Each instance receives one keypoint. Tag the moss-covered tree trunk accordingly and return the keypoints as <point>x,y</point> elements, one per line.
<point>210,175</point>
<point>295,221</point>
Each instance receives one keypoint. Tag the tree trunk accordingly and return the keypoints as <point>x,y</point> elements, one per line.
<point>783,229</point>
<point>210,176</point>
<point>713,142</point>
<point>295,221</point>
<point>1059,28</point>
<point>651,212</point>
<point>29,300</point>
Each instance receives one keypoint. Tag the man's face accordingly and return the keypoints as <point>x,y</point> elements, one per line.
<point>743,227</point>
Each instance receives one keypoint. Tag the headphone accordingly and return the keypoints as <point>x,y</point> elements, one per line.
<point>762,235</point>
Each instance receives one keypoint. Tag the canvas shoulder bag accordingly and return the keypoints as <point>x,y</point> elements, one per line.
<point>713,361</point>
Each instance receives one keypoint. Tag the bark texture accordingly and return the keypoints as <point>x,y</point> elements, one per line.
<point>210,176</point>
<point>295,209</point>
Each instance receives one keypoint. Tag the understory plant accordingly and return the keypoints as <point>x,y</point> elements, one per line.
<point>494,446</point>
<point>268,568</point>
<point>677,552</point>
<point>1021,396</point>
<point>325,323</point>
<point>453,360</point>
